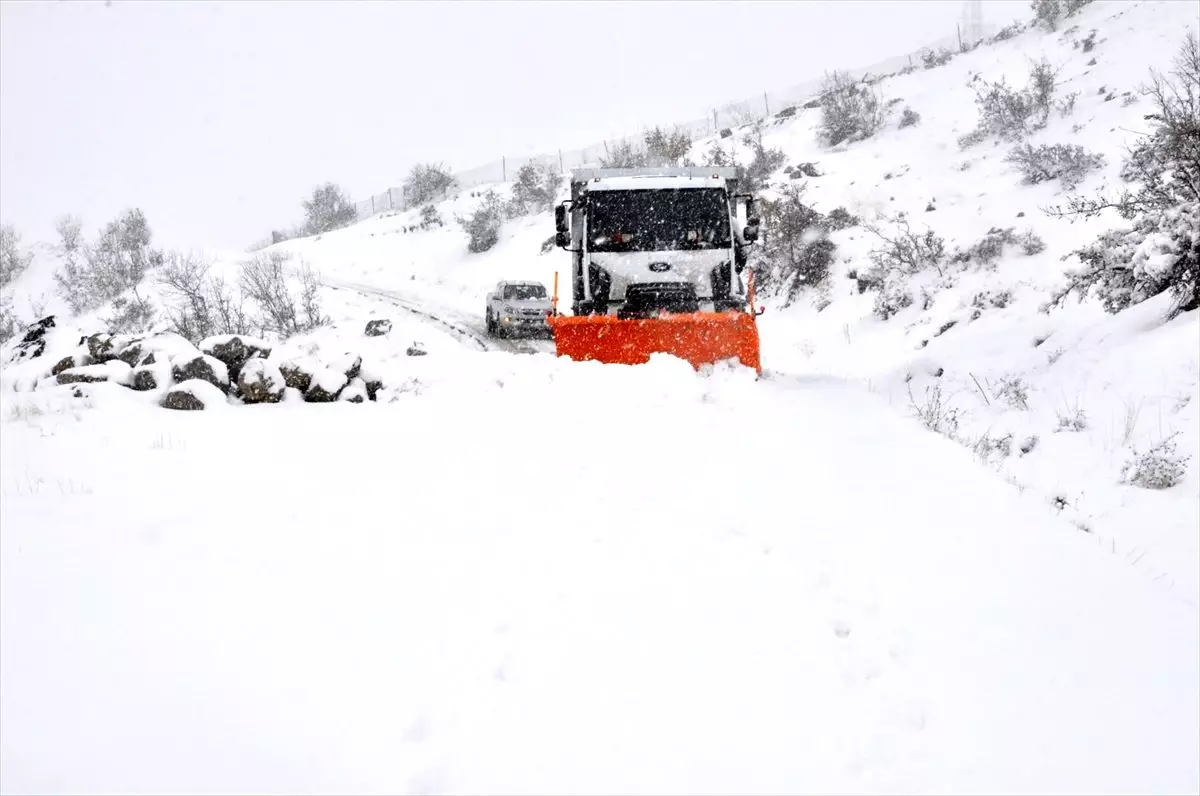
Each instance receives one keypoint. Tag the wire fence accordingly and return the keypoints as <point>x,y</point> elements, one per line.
<point>731,115</point>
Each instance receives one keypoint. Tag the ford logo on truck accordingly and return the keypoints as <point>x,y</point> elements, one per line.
<point>658,268</point>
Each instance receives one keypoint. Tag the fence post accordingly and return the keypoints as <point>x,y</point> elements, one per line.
<point>503,169</point>
<point>766,105</point>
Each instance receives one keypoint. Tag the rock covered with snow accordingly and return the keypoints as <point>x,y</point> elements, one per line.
<point>378,327</point>
<point>355,392</point>
<point>260,381</point>
<point>33,342</point>
<point>298,371</point>
<point>194,394</point>
<point>187,367</point>
<point>326,383</point>
<point>234,350</point>
<point>113,370</point>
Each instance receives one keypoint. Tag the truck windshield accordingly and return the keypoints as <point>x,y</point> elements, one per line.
<point>524,292</point>
<point>658,220</point>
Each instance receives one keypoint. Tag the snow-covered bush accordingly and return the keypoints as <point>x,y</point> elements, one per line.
<point>1159,467</point>
<point>1069,163</point>
<point>849,111</point>
<point>1007,32</point>
<point>935,411</point>
<point>909,117</point>
<point>264,281</point>
<point>1031,243</point>
<point>534,189</point>
<point>1072,420</point>
<point>1048,13</point>
<point>328,209</point>
<point>988,249</point>
<point>12,260</point>
<point>840,218</point>
<point>665,148</point>
<point>1013,390</point>
<point>1010,113</point>
<point>932,60</point>
<point>623,155</point>
<point>109,270</point>
<point>906,251</point>
<point>427,182</point>
<point>796,245</point>
<point>764,161</point>
<point>430,217</point>
<point>483,225</point>
<point>200,305</point>
<point>1162,250</point>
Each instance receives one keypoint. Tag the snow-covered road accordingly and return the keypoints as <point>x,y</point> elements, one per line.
<point>534,576</point>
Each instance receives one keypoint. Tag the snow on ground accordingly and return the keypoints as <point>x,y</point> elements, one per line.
<point>470,590</point>
<point>515,574</point>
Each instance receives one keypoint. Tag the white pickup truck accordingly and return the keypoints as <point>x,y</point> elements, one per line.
<point>518,308</point>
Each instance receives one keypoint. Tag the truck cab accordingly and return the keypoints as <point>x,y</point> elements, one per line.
<point>653,240</point>
<point>518,308</point>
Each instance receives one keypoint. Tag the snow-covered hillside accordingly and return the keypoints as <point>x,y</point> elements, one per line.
<point>510,573</point>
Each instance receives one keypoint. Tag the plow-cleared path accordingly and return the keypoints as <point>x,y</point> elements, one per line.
<point>652,581</point>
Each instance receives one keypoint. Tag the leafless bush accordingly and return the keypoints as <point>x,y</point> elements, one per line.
<point>840,218</point>
<point>932,60</point>
<point>1159,467</point>
<point>1013,390</point>
<point>1008,31</point>
<point>427,182</point>
<point>1069,163</point>
<point>328,209</point>
<point>665,148</point>
<point>483,225</point>
<point>849,111</point>
<point>200,306</point>
<point>907,251</point>
<point>1010,113</point>
<point>1031,243</point>
<point>909,117</point>
<point>1074,419</point>
<point>13,261</point>
<point>623,155</point>
<point>264,281</point>
<point>796,243</point>
<point>534,189</point>
<point>109,270</point>
<point>430,217</point>
<point>988,249</point>
<point>935,411</point>
<point>764,161</point>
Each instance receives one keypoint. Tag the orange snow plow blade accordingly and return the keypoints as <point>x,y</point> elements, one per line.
<point>702,338</point>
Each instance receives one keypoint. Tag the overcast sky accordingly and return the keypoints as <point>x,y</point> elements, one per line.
<point>216,118</point>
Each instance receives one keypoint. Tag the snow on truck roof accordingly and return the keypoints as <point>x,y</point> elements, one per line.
<point>651,178</point>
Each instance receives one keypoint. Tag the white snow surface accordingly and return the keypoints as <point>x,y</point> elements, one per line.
<point>848,604</point>
<point>519,574</point>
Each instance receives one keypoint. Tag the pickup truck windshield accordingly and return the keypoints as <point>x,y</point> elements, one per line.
<point>658,220</point>
<point>524,292</point>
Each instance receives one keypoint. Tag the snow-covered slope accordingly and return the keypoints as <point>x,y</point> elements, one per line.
<point>519,574</point>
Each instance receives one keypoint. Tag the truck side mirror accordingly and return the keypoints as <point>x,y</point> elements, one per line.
<point>560,219</point>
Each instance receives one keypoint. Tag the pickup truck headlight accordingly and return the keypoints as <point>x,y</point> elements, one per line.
<point>507,309</point>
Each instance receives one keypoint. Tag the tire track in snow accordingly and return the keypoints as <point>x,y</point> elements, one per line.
<point>469,331</point>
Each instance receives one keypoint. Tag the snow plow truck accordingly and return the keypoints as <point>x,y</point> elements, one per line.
<point>658,265</point>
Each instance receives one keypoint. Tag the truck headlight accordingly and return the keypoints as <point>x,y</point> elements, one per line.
<point>507,310</point>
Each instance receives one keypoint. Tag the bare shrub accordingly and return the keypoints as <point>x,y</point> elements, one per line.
<point>534,189</point>
<point>264,281</point>
<point>427,182</point>
<point>623,155</point>
<point>109,270</point>
<point>483,225</point>
<point>849,111</point>
<point>840,218</point>
<point>1013,390</point>
<point>430,217</point>
<point>667,148</point>
<point>796,243</point>
<point>764,161</point>
<point>906,251</point>
<point>909,118</point>
<point>13,261</point>
<point>935,412</point>
<point>328,209</point>
<point>932,60</point>
<point>1159,467</point>
<point>1072,420</point>
<point>200,306</point>
<point>1007,32</point>
<point>1010,113</point>
<point>988,249</point>
<point>1069,163</point>
<point>1031,243</point>
<point>1047,13</point>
